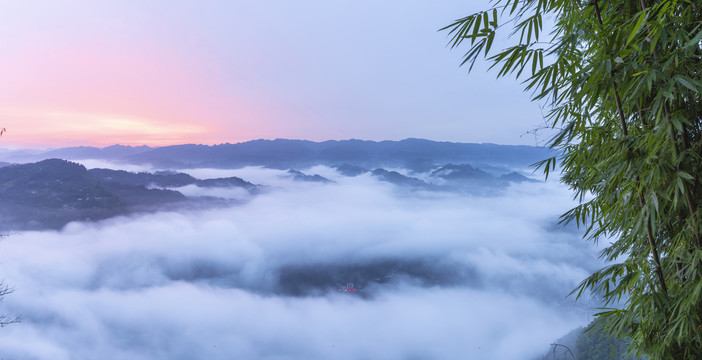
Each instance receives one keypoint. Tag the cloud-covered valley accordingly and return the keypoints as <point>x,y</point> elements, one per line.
<point>438,275</point>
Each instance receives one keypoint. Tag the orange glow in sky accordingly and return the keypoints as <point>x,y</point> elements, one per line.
<point>53,128</point>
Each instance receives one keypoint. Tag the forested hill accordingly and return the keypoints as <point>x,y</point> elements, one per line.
<point>284,154</point>
<point>590,343</point>
<point>53,192</point>
<point>166,179</point>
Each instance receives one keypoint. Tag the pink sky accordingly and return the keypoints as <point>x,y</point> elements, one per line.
<point>66,88</point>
<point>131,95</point>
<point>81,72</point>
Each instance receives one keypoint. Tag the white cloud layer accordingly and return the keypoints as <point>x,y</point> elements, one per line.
<point>206,284</point>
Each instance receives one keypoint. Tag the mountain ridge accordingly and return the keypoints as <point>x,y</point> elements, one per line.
<point>293,153</point>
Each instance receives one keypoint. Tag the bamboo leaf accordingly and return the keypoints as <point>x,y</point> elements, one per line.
<point>639,22</point>
<point>695,41</point>
<point>686,82</point>
<point>488,45</point>
<point>685,175</point>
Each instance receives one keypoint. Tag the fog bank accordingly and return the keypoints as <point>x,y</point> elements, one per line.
<point>439,276</point>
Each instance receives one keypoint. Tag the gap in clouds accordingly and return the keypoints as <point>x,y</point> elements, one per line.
<point>439,276</point>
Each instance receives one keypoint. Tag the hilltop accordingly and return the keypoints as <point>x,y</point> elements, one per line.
<point>53,192</point>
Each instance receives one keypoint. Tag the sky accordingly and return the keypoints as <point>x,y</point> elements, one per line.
<point>160,72</point>
<point>204,284</point>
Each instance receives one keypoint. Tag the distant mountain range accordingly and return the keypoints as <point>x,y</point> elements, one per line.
<point>50,193</point>
<point>414,154</point>
<point>448,177</point>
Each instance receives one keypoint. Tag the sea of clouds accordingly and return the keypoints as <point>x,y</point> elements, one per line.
<point>206,284</point>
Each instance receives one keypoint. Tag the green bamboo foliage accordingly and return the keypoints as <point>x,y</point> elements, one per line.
<point>623,84</point>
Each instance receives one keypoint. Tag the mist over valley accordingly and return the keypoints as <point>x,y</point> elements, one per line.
<point>412,254</point>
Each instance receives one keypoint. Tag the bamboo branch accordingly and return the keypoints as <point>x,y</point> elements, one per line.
<point>617,99</point>
<point>654,251</point>
<point>622,119</point>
